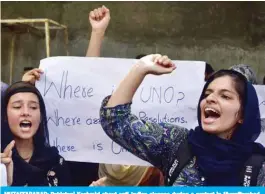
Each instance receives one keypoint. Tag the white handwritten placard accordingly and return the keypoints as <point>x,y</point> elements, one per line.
<point>74,87</point>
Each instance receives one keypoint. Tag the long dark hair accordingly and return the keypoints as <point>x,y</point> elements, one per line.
<point>41,138</point>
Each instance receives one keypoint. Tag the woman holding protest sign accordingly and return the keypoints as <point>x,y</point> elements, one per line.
<point>26,152</point>
<point>215,153</point>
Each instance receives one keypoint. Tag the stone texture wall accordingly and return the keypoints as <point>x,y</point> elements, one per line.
<point>221,33</point>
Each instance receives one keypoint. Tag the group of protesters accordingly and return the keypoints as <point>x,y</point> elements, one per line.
<point>216,151</point>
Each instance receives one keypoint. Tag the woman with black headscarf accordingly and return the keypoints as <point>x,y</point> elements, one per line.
<point>229,124</point>
<point>26,152</point>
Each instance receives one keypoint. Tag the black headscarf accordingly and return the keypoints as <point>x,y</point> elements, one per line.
<point>44,156</point>
<point>41,137</point>
<point>220,160</point>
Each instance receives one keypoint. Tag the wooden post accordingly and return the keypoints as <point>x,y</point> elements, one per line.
<point>47,28</point>
<point>66,41</point>
<point>47,38</point>
<point>11,58</point>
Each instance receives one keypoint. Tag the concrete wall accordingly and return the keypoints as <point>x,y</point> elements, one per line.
<point>222,33</point>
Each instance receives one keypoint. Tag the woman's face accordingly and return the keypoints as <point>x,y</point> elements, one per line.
<point>23,113</point>
<point>220,108</point>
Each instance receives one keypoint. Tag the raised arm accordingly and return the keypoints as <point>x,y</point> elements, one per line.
<point>149,141</point>
<point>99,20</point>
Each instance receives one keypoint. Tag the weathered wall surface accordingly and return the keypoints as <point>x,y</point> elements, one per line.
<point>222,33</point>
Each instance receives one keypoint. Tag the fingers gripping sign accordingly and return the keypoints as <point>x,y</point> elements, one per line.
<point>32,75</point>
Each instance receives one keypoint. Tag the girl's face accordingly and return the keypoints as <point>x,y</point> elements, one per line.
<point>23,113</point>
<point>221,107</point>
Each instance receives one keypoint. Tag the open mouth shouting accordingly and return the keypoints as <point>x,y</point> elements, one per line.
<point>210,115</point>
<point>25,125</point>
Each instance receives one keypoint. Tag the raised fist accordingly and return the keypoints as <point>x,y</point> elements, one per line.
<point>156,64</point>
<point>99,18</point>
